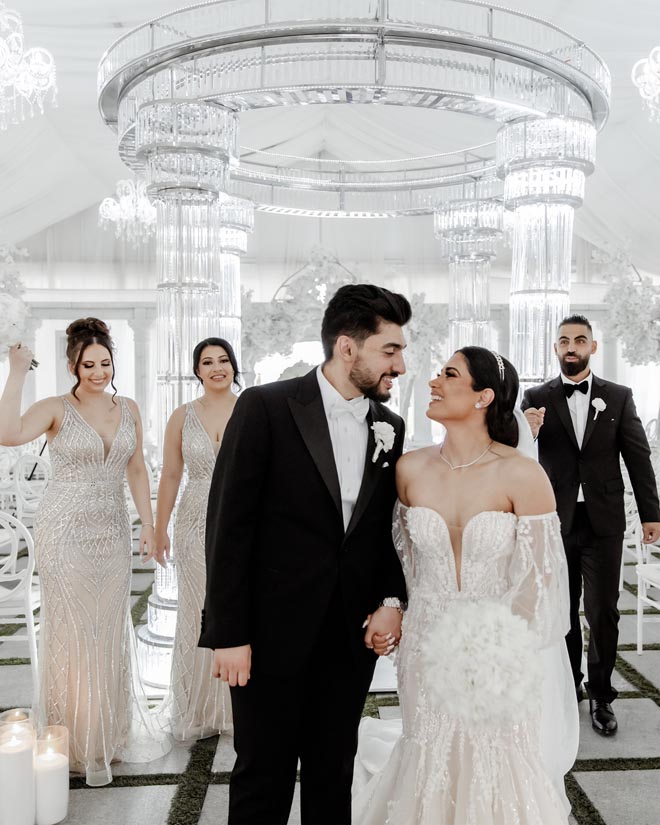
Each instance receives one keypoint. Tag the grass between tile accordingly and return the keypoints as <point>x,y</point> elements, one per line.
<point>188,801</point>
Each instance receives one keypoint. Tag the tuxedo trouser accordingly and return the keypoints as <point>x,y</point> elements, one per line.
<point>595,563</point>
<point>312,716</point>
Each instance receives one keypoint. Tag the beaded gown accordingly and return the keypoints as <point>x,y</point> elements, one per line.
<point>199,705</point>
<point>88,671</point>
<point>441,767</point>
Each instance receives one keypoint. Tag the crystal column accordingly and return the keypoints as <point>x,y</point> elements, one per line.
<point>469,231</point>
<point>544,164</point>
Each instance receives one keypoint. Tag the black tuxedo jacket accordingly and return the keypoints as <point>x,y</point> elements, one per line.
<point>276,550</point>
<point>614,433</point>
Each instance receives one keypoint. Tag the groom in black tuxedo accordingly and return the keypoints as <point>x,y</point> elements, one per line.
<point>303,581</point>
<point>584,426</point>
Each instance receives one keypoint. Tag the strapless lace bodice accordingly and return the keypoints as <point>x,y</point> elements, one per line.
<point>431,574</point>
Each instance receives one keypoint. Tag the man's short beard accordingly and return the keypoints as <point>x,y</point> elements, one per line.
<point>571,368</point>
<point>363,381</point>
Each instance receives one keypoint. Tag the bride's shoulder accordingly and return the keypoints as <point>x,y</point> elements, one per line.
<point>414,459</point>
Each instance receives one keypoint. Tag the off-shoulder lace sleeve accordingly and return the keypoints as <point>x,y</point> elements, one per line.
<point>403,541</point>
<point>538,577</point>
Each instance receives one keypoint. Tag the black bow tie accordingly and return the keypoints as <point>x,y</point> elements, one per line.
<point>569,389</point>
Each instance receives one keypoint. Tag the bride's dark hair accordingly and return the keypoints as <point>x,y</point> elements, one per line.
<point>486,373</point>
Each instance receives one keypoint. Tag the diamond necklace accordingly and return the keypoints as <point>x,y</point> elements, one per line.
<point>469,464</point>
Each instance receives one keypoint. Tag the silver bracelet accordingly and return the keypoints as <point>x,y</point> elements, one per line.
<point>397,604</point>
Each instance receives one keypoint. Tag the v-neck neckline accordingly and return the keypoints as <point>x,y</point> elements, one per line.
<point>106,456</point>
<point>212,443</point>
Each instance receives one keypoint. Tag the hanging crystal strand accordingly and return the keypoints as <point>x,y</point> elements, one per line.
<point>469,231</point>
<point>186,149</point>
<point>544,163</point>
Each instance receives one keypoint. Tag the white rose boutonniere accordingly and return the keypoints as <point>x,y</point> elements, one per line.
<point>384,435</point>
<point>599,405</point>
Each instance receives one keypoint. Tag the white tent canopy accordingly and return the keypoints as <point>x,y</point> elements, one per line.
<point>64,162</point>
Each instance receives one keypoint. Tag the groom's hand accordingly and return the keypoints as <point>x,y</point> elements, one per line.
<point>232,664</point>
<point>384,624</point>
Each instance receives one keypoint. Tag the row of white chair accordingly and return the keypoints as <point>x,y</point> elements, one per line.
<point>20,594</point>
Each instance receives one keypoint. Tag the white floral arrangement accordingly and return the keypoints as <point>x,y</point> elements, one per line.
<point>384,436</point>
<point>14,313</point>
<point>599,405</point>
<point>480,663</point>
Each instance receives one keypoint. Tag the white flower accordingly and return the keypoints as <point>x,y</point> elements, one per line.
<point>13,320</point>
<point>384,435</point>
<point>599,405</point>
<point>480,663</point>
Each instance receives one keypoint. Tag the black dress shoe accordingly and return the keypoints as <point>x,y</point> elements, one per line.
<point>603,720</point>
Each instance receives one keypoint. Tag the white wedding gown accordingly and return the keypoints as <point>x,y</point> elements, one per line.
<point>437,766</point>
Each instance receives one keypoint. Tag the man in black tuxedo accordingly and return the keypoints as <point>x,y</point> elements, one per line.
<point>304,586</point>
<point>584,426</point>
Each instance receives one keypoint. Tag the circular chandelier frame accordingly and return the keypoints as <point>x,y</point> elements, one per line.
<point>457,55</point>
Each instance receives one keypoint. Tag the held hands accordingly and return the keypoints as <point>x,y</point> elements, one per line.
<point>20,359</point>
<point>232,664</point>
<point>650,532</point>
<point>383,630</point>
<point>535,419</point>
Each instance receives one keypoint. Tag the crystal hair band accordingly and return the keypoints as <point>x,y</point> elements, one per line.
<point>500,364</point>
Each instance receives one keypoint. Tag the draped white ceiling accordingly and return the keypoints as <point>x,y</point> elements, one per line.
<point>65,162</point>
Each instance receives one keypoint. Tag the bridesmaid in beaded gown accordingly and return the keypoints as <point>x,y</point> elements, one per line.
<point>88,674</point>
<point>198,705</point>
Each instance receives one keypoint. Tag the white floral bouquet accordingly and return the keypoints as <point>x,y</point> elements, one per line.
<point>13,322</point>
<point>481,663</point>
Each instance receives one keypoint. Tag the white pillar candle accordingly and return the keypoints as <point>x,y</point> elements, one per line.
<point>17,805</point>
<point>51,771</point>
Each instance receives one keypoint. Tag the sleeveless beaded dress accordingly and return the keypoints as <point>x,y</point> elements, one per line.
<point>89,680</point>
<point>451,759</point>
<point>198,705</point>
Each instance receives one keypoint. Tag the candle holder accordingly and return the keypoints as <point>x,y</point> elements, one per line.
<point>51,773</point>
<point>17,719</point>
<point>17,792</point>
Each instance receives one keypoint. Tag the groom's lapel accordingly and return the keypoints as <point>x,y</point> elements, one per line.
<point>372,471</point>
<point>309,414</point>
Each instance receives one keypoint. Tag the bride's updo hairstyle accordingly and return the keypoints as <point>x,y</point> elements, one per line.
<point>491,371</point>
<point>80,334</point>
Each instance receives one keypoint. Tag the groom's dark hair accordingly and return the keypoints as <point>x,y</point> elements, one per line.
<point>357,310</point>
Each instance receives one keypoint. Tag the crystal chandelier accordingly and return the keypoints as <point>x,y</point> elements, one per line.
<point>27,78</point>
<point>469,231</point>
<point>646,77</point>
<point>544,164</point>
<point>131,212</point>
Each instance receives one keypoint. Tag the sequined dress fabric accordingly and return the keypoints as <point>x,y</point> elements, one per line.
<point>198,705</point>
<point>442,770</point>
<point>88,675</point>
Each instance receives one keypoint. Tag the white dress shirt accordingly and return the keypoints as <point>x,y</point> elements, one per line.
<point>349,438</point>
<point>578,406</point>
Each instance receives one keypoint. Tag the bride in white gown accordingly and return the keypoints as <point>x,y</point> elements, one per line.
<point>489,719</point>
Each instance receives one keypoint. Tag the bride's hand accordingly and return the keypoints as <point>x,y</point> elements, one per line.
<point>383,644</point>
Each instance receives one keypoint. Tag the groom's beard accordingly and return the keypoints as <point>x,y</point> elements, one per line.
<point>368,384</point>
<point>570,368</point>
